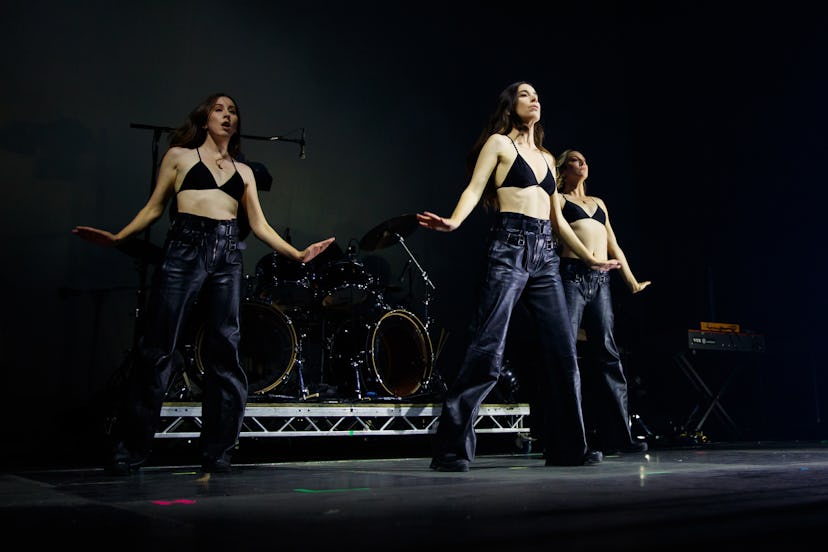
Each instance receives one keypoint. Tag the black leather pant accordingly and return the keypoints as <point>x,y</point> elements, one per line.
<point>201,261</point>
<point>522,261</point>
<point>590,307</point>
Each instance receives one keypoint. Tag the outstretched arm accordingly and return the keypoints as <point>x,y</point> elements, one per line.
<point>615,252</point>
<point>485,165</point>
<point>149,213</point>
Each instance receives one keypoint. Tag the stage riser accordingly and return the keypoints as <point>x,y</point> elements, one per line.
<point>183,420</point>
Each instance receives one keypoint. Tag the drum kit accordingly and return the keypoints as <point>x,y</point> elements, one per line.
<point>326,329</point>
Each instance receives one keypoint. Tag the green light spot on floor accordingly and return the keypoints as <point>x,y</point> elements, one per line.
<point>330,490</point>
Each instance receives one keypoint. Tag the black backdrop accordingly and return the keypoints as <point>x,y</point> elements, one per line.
<point>702,125</point>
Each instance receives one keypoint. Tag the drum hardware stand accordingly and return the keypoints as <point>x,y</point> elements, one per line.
<point>326,342</point>
<point>390,232</point>
<point>424,275</point>
<point>393,231</point>
<point>385,234</point>
<point>355,365</point>
<point>300,361</point>
<point>429,295</point>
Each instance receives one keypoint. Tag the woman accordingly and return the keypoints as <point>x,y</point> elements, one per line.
<point>202,259</point>
<point>590,303</point>
<point>513,173</point>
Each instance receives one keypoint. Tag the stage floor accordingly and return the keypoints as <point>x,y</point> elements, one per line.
<point>741,496</point>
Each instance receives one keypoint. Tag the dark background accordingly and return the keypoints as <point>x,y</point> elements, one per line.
<point>703,127</point>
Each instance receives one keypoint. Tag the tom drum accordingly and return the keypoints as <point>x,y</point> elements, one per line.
<point>285,282</point>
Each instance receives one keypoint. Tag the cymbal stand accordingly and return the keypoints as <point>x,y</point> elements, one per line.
<point>429,284</point>
<point>435,383</point>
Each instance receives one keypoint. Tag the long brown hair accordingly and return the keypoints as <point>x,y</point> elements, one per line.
<point>502,121</point>
<point>192,133</point>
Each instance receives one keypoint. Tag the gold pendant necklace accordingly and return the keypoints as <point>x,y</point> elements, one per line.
<point>576,199</point>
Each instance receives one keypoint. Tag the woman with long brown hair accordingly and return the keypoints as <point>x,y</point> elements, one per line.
<point>202,260</point>
<point>514,174</point>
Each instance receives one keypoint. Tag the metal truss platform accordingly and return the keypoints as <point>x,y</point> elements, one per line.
<point>183,420</point>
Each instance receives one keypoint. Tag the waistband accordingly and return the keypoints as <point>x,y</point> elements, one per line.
<point>517,221</point>
<point>228,227</point>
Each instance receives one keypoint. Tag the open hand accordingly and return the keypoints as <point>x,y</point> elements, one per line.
<point>429,220</point>
<point>315,249</point>
<point>95,235</point>
<point>606,266</point>
<point>638,286</point>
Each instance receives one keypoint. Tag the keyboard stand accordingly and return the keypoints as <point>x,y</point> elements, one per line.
<point>709,401</point>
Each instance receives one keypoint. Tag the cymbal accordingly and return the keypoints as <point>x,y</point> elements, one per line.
<point>385,233</point>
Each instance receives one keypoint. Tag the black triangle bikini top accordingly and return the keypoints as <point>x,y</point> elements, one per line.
<point>199,177</point>
<point>521,175</point>
<point>571,211</point>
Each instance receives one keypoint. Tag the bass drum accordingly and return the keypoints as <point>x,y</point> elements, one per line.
<point>390,356</point>
<point>267,350</point>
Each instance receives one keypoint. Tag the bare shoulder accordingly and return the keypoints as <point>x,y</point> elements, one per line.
<point>178,152</point>
<point>495,148</point>
<point>179,157</point>
<point>557,197</point>
<point>497,141</point>
<point>602,205</point>
<point>245,171</point>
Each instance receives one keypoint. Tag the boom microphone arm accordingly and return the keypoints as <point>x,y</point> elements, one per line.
<point>300,141</point>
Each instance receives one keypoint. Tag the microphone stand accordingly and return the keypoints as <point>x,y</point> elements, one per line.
<point>300,141</point>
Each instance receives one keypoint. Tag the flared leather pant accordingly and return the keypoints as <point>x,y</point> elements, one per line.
<point>522,263</point>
